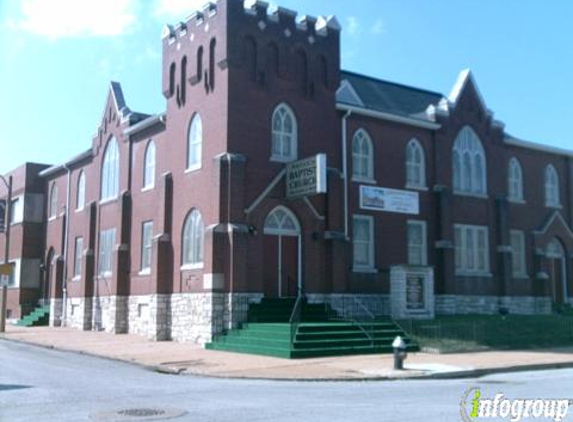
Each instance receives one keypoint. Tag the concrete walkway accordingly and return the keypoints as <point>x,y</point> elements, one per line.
<point>180,358</point>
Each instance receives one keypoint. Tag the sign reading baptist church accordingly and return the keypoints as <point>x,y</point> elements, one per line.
<point>306,177</point>
<point>391,200</point>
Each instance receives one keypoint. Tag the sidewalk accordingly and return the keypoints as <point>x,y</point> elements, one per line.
<point>180,358</point>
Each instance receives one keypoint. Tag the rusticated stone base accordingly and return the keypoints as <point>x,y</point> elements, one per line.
<point>79,313</point>
<point>56,308</point>
<point>110,314</point>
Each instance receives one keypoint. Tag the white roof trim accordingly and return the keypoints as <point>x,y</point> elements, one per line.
<point>389,117</point>
<point>267,190</point>
<point>463,78</point>
<point>510,140</point>
<point>556,215</point>
<point>347,86</point>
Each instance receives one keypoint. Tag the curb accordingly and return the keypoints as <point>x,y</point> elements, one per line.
<point>161,369</point>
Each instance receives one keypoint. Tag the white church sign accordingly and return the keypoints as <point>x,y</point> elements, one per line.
<point>390,200</point>
<point>306,177</point>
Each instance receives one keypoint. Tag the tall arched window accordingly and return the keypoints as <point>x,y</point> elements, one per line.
<point>110,171</point>
<point>514,181</point>
<point>53,201</point>
<point>469,164</point>
<point>362,156</point>
<point>193,233</point>
<point>81,192</point>
<point>284,134</point>
<point>149,166</point>
<point>551,187</point>
<point>212,46</point>
<point>195,143</point>
<point>183,83</point>
<point>415,165</point>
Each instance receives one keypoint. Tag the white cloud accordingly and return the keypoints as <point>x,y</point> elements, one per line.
<point>379,27</point>
<point>148,54</point>
<point>352,25</point>
<point>73,18</point>
<point>177,9</point>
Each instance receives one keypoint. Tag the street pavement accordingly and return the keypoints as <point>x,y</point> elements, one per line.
<point>39,384</point>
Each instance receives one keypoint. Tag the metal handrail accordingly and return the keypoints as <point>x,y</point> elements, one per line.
<point>295,318</point>
<point>350,314</point>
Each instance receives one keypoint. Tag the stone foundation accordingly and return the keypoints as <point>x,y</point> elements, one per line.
<point>489,305</point>
<point>79,313</point>
<point>150,316</point>
<point>56,309</point>
<point>110,314</point>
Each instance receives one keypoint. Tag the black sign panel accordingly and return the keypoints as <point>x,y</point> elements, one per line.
<point>2,215</point>
<point>415,292</point>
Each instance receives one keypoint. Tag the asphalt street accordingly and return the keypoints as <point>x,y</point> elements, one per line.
<point>38,384</point>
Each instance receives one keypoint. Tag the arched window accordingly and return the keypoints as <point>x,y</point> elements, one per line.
<point>110,171</point>
<point>53,201</point>
<point>284,134</point>
<point>183,94</point>
<point>514,181</point>
<point>195,143</point>
<point>199,63</point>
<point>149,166</point>
<point>415,165</point>
<point>281,221</point>
<point>193,233</point>
<point>172,79</point>
<point>469,164</point>
<point>81,192</point>
<point>551,187</point>
<point>362,156</point>
<point>212,46</point>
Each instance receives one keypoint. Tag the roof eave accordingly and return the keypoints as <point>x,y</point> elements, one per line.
<point>388,116</point>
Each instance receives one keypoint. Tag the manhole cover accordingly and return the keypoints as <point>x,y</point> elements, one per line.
<point>138,414</point>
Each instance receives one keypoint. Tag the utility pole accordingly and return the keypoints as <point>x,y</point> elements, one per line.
<point>7,218</point>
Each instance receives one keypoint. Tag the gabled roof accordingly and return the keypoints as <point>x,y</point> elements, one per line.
<point>384,96</point>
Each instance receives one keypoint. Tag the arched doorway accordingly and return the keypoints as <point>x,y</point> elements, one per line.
<point>47,276</point>
<point>557,270</point>
<point>283,254</point>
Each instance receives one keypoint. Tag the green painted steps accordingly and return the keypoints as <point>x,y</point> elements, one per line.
<point>320,333</point>
<point>38,317</point>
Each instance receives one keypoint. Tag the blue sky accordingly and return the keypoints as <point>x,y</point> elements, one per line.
<point>58,56</point>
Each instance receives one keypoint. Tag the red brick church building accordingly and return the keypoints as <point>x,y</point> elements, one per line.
<point>167,225</point>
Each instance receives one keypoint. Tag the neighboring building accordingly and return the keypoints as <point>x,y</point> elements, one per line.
<point>171,220</point>
<point>26,238</point>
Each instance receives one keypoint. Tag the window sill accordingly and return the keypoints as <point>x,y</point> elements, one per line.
<point>358,179</point>
<point>107,201</point>
<point>477,274</point>
<point>190,267</point>
<point>420,188</point>
<point>472,195</point>
<point>76,278</point>
<point>279,159</point>
<point>107,274</point>
<point>78,210</point>
<point>554,206</point>
<point>15,223</point>
<point>50,219</point>
<point>145,271</point>
<point>193,168</point>
<point>516,201</point>
<point>365,270</point>
<point>147,188</point>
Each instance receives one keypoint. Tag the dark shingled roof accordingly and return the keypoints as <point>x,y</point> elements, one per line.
<point>390,97</point>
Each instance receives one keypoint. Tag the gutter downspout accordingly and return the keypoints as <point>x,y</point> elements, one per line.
<point>66,241</point>
<point>345,171</point>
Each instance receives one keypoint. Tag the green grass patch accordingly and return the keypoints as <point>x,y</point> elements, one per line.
<point>480,332</point>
